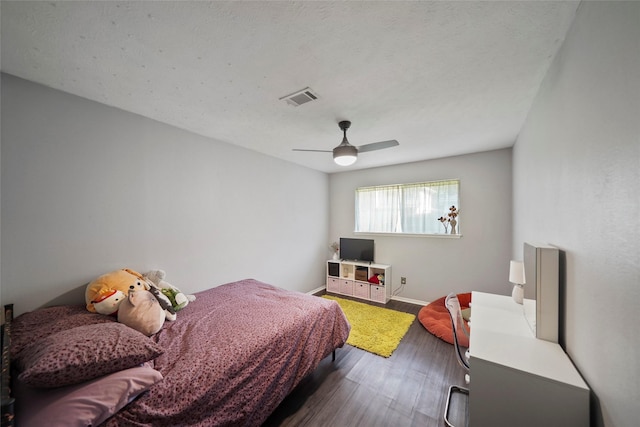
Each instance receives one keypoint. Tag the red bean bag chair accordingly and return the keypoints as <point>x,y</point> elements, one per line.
<point>435,318</point>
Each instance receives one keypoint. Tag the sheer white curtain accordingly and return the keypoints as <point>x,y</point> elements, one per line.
<point>405,208</point>
<point>377,209</point>
<point>416,209</point>
<point>424,203</point>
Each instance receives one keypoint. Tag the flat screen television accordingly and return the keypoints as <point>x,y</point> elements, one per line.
<point>356,249</point>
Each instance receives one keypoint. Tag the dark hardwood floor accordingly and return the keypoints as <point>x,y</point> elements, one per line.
<point>362,389</point>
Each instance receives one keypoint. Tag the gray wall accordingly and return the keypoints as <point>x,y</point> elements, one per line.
<point>87,188</point>
<point>577,186</point>
<point>436,266</point>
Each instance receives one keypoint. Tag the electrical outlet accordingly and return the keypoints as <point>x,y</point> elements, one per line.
<point>403,280</point>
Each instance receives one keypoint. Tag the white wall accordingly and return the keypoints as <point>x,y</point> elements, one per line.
<point>87,188</point>
<point>436,266</point>
<point>577,186</point>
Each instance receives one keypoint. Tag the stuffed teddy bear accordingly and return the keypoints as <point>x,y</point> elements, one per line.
<point>100,291</point>
<point>142,312</point>
<point>177,299</point>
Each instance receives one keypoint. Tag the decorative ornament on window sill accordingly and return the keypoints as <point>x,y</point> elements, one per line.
<point>336,248</point>
<point>450,219</point>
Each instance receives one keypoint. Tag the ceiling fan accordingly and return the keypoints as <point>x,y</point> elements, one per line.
<point>346,154</point>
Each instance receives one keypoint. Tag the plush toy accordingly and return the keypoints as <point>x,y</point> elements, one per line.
<point>164,301</point>
<point>142,312</point>
<point>177,299</point>
<point>108,302</point>
<point>377,279</point>
<point>101,289</point>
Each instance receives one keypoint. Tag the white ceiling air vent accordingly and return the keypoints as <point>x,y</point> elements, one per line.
<point>300,97</point>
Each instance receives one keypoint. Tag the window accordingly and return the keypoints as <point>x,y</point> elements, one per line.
<point>405,208</point>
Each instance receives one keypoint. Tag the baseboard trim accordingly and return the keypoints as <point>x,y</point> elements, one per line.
<point>409,300</point>
<point>395,297</point>
<point>316,290</point>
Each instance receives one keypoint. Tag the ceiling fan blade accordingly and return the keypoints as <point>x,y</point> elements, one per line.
<point>377,146</point>
<point>317,151</point>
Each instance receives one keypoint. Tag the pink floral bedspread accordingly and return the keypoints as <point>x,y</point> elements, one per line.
<point>234,354</point>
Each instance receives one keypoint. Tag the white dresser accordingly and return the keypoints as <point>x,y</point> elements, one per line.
<point>517,379</point>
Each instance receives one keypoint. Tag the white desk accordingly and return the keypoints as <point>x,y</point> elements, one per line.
<point>517,379</point>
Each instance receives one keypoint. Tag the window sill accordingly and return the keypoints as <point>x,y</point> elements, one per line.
<point>436,236</point>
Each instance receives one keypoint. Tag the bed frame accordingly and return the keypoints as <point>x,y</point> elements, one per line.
<point>7,399</point>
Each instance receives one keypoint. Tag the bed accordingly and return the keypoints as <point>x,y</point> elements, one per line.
<point>229,359</point>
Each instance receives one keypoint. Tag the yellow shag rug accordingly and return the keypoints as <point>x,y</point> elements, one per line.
<point>374,329</point>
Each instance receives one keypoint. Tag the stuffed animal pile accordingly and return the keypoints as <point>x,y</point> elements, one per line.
<point>140,301</point>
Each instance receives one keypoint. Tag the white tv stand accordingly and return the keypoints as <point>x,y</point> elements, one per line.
<point>351,278</point>
<point>517,379</point>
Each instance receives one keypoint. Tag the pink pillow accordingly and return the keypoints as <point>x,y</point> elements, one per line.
<point>83,353</point>
<point>86,404</point>
<point>34,325</point>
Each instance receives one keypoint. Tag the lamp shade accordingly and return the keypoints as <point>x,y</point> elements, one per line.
<point>345,155</point>
<point>516,272</point>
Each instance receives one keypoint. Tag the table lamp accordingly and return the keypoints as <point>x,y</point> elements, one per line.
<point>516,276</point>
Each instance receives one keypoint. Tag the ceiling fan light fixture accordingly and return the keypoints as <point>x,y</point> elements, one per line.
<point>345,155</point>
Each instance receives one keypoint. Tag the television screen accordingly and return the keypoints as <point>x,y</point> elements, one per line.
<point>356,249</point>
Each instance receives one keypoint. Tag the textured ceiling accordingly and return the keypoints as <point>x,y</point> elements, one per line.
<point>443,78</point>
